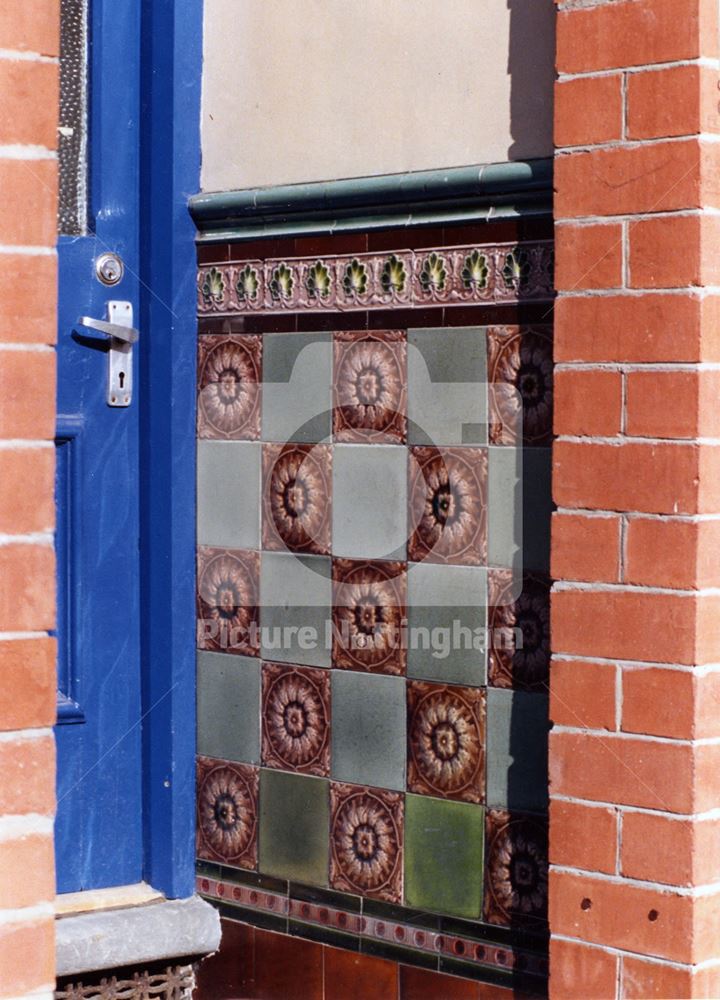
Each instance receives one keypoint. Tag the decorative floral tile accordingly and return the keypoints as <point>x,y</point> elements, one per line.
<point>213,289</point>
<point>511,665</point>
<point>296,498</point>
<point>366,841</point>
<point>370,386</point>
<point>448,505</point>
<point>520,367</point>
<point>227,812</point>
<point>446,741</point>
<point>229,376</point>
<point>296,719</point>
<point>227,600</point>
<point>369,606</point>
<point>516,869</point>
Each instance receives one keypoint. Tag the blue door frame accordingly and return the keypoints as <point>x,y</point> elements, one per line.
<point>171,66</point>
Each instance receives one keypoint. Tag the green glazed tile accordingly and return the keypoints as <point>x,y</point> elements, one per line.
<point>519,507</point>
<point>294,826</point>
<point>447,390</point>
<point>228,707</point>
<point>295,599</point>
<point>369,501</point>
<point>296,391</point>
<point>447,619</point>
<point>228,494</point>
<point>444,856</point>
<point>368,729</point>
<point>517,741</point>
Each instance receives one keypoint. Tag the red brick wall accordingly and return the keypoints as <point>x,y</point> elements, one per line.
<point>28,121</point>
<point>635,686</point>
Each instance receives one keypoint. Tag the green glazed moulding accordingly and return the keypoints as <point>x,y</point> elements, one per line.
<point>425,197</point>
<point>294,824</point>
<point>444,856</point>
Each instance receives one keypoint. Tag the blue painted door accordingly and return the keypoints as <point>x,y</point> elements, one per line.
<point>99,817</point>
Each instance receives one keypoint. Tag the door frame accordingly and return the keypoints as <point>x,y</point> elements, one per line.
<point>171,69</point>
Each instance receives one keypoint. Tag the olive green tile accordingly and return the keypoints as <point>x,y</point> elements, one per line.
<point>228,707</point>
<point>294,826</point>
<point>444,856</point>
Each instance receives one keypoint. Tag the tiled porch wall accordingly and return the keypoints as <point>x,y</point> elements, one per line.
<point>377,798</point>
<point>29,83</point>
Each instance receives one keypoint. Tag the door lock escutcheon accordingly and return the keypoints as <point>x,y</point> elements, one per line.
<point>119,327</point>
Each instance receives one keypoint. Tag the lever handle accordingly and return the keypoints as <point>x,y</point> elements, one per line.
<point>127,333</point>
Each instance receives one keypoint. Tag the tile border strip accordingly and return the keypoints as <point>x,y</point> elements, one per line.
<point>479,954</point>
<point>472,274</point>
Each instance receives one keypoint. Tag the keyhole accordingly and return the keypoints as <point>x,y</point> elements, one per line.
<point>121,379</point>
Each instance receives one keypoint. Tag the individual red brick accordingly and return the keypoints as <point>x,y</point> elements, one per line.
<point>27,668</point>
<point>619,769</point>
<point>648,412</point>
<point>28,298</point>
<point>658,702</point>
<point>27,588</point>
<point>666,252</point>
<point>27,394</point>
<point>32,26</point>
<point>706,687</point>
<point>580,970</point>
<point>646,980</point>
<point>583,694</point>
<point>27,871</point>
<point>709,479</point>
<point>670,553</point>
<point>30,191</point>
<point>585,547</point>
<point>707,921</point>
<point>26,472</point>
<point>679,100</point>
<point>588,256</point>
<point>27,957</point>
<point>671,858</point>
<point>630,180</point>
<point>628,33</point>
<point>650,328</point>
<point>28,769</point>
<point>587,403</point>
<point>647,478</point>
<point>29,112</point>
<point>588,110</point>
<point>632,625</point>
<point>621,915</point>
<point>583,836</point>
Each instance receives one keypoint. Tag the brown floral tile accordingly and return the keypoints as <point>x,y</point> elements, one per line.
<point>448,505</point>
<point>229,376</point>
<point>366,838</point>
<point>370,386</point>
<point>369,606</point>
<point>446,741</point>
<point>227,600</point>
<point>227,812</point>
<point>296,497</point>
<point>516,869</point>
<point>520,371</point>
<point>511,664</point>
<point>296,719</point>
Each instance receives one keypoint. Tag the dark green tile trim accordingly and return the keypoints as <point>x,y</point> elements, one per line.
<point>530,986</point>
<point>258,918</point>
<point>325,897</point>
<point>424,197</point>
<point>396,953</point>
<point>325,935</point>
<point>240,876</point>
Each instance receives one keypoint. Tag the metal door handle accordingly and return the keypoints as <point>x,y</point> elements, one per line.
<point>127,333</point>
<point>118,326</point>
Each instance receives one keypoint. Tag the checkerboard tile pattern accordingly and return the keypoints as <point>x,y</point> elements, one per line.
<point>368,720</point>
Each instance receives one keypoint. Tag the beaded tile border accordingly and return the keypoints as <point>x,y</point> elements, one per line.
<point>477,953</point>
<point>463,275</point>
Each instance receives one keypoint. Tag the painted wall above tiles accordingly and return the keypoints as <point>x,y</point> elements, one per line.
<point>306,90</point>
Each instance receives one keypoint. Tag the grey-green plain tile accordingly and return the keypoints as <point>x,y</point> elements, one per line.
<point>294,826</point>
<point>295,595</point>
<point>368,729</point>
<point>370,501</point>
<point>517,741</point>
<point>228,494</point>
<point>297,387</point>
<point>228,707</point>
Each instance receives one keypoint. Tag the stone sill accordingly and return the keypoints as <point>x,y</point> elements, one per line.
<point>135,935</point>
